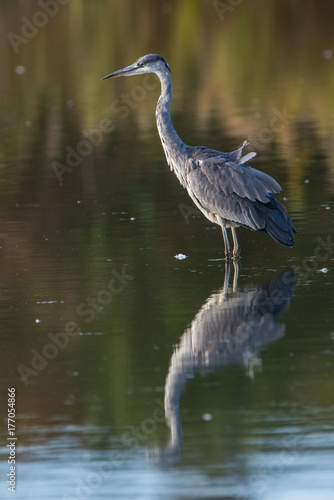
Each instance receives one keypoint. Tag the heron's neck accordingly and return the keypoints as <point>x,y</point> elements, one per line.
<point>175,149</point>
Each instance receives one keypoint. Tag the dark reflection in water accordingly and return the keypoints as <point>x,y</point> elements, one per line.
<point>230,328</point>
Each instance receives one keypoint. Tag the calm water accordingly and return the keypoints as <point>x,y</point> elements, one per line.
<point>140,375</point>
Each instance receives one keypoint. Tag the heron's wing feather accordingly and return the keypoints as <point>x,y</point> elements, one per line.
<point>237,154</point>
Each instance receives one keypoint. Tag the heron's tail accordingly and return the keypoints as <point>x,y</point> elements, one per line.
<point>278,224</point>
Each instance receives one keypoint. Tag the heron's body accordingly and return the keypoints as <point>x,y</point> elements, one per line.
<point>222,186</point>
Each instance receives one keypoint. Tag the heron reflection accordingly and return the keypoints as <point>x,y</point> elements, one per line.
<point>230,328</point>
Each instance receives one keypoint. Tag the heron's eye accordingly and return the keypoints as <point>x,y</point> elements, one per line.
<point>142,64</point>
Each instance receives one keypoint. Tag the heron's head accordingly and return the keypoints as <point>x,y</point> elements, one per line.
<point>151,63</point>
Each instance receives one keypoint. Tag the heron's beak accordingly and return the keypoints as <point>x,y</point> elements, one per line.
<point>128,71</point>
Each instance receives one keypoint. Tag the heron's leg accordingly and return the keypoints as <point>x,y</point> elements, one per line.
<point>226,242</point>
<point>236,265</point>
<point>236,248</point>
<point>227,277</point>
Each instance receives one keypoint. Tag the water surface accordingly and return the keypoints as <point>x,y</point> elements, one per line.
<point>100,321</point>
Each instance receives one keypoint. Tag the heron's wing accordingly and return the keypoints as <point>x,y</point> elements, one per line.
<point>231,177</point>
<point>232,191</point>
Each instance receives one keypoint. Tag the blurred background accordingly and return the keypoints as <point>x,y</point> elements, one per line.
<point>87,197</point>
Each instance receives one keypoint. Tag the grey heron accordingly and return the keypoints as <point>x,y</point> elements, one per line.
<point>227,191</point>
